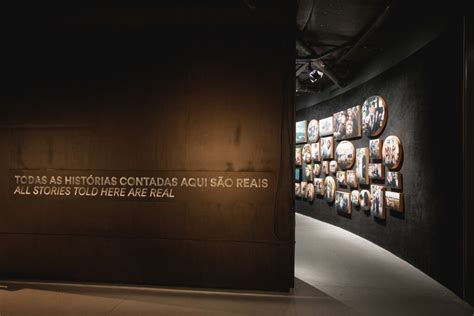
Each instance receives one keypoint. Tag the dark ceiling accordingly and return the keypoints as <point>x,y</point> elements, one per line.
<point>339,37</point>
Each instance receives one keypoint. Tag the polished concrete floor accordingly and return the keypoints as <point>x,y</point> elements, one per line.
<point>337,273</point>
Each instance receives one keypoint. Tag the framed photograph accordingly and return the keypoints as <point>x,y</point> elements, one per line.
<point>393,180</point>
<point>345,155</point>
<point>297,189</point>
<point>301,130</point>
<point>374,116</point>
<point>319,186</point>
<point>307,153</point>
<point>353,126</point>
<point>355,198</point>
<point>297,174</point>
<point>362,165</point>
<point>392,152</point>
<point>326,126</point>
<point>333,166</point>
<point>394,200</point>
<point>343,202</point>
<point>315,152</point>
<point>347,123</point>
<point>329,188</point>
<point>341,178</point>
<point>339,120</point>
<point>307,172</point>
<point>325,166</point>
<point>313,131</point>
<point>310,192</point>
<point>303,188</point>
<point>377,200</point>
<point>298,156</point>
<point>376,171</point>
<point>327,148</point>
<point>316,170</point>
<point>352,178</point>
<point>375,147</point>
<point>364,199</point>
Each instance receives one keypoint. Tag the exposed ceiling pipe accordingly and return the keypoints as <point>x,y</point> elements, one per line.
<point>325,55</point>
<point>304,88</point>
<point>301,68</point>
<point>366,35</point>
<point>319,64</point>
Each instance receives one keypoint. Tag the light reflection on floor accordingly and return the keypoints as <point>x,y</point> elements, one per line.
<point>337,273</point>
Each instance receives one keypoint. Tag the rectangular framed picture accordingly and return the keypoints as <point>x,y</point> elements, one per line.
<point>319,186</point>
<point>341,178</point>
<point>298,174</point>
<point>325,167</point>
<point>298,155</point>
<point>316,170</point>
<point>315,152</point>
<point>393,180</point>
<point>307,156</point>
<point>297,189</point>
<point>394,200</point>
<point>343,202</point>
<point>327,148</point>
<point>303,189</point>
<point>347,123</point>
<point>307,172</point>
<point>376,171</point>
<point>375,147</point>
<point>301,132</point>
<point>352,178</point>
<point>326,127</point>
<point>377,200</point>
<point>362,165</point>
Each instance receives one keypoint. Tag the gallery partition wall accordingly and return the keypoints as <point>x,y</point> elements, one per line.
<point>407,164</point>
<point>150,145</point>
<point>468,140</point>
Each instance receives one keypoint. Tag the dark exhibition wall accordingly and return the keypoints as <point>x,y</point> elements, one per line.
<point>468,141</point>
<point>150,145</point>
<point>423,97</point>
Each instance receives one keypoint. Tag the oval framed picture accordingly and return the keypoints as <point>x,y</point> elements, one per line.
<point>313,131</point>
<point>392,152</point>
<point>355,198</point>
<point>345,155</point>
<point>374,115</point>
<point>329,189</point>
<point>364,200</point>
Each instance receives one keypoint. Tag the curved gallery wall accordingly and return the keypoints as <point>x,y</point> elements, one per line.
<point>142,152</point>
<point>423,105</point>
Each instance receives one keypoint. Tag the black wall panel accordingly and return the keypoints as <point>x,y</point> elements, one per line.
<point>468,145</point>
<point>181,88</point>
<point>423,95</point>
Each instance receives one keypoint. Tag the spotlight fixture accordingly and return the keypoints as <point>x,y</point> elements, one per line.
<point>315,75</point>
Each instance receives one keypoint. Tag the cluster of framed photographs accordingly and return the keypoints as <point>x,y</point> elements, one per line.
<point>366,178</point>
